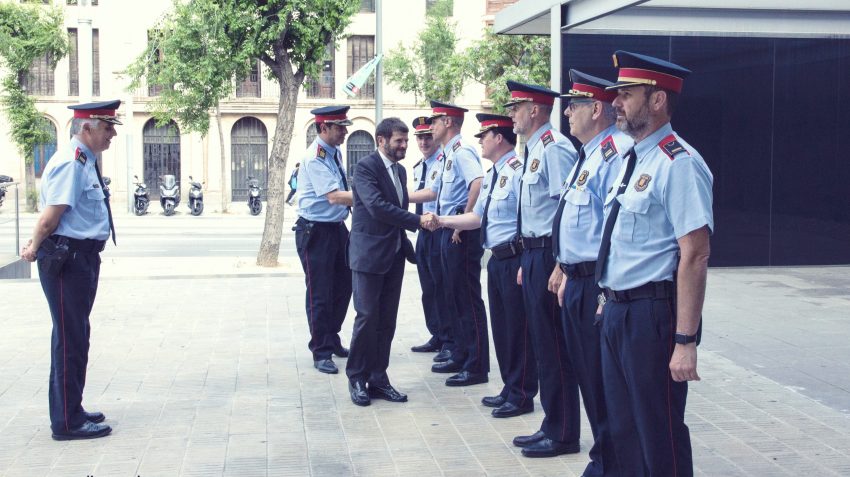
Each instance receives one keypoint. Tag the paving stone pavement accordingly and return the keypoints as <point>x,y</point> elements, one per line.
<point>211,376</point>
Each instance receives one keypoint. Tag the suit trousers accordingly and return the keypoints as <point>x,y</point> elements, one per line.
<point>462,289</point>
<point>328,280</point>
<point>558,384</point>
<point>427,259</point>
<point>511,337</point>
<point>376,298</point>
<point>70,296</point>
<point>582,331</point>
<point>646,408</point>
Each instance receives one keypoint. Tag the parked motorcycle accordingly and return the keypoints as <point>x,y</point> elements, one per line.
<point>254,203</point>
<point>196,197</point>
<point>4,179</point>
<point>169,194</point>
<point>141,197</point>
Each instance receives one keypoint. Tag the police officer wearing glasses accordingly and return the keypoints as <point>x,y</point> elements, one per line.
<point>69,235</point>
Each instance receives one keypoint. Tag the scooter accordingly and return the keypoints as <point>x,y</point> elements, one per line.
<point>141,197</point>
<point>169,194</point>
<point>4,179</point>
<point>254,203</point>
<point>196,197</point>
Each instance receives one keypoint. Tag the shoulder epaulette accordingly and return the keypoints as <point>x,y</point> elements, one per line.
<point>608,148</point>
<point>671,147</point>
<point>418,162</point>
<point>515,163</point>
<point>547,138</point>
<point>80,156</point>
<point>440,157</point>
<point>456,146</point>
<point>321,152</point>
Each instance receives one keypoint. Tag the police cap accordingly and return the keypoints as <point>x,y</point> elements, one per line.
<point>332,115</point>
<point>103,110</point>
<point>493,122</point>
<point>421,126</point>
<point>586,86</point>
<point>439,109</point>
<point>637,70</point>
<point>523,93</point>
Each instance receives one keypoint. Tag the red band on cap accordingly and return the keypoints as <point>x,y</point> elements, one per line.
<point>423,127</point>
<point>597,92</point>
<point>534,97</point>
<point>448,112</point>
<point>497,123</point>
<point>89,113</point>
<point>332,117</point>
<point>661,80</point>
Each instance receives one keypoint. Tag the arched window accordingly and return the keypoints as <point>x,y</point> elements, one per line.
<point>359,145</point>
<point>44,151</point>
<point>161,153</point>
<point>249,156</point>
<point>311,134</point>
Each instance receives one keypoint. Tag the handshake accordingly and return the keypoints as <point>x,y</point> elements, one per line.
<point>429,221</point>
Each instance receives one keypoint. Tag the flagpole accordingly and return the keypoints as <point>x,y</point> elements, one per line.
<point>379,71</point>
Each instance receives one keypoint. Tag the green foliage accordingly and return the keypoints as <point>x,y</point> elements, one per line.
<point>431,68</point>
<point>495,59</point>
<point>27,32</point>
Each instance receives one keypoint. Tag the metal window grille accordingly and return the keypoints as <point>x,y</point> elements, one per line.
<point>323,86</point>
<point>161,154</point>
<point>367,6</point>
<point>359,145</point>
<point>73,63</point>
<point>250,86</point>
<point>249,156</point>
<point>39,80</point>
<point>361,49</point>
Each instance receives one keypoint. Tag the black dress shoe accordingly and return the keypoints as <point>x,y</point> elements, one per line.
<point>465,378</point>
<point>447,367</point>
<point>548,448</point>
<point>386,392</point>
<point>358,392</point>
<point>525,441</point>
<point>425,348</point>
<point>510,409</point>
<point>443,356</point>
<point>326,366</point>
<point>88,430</point>
<point>94,417</point>
<point>493,401</point>
<point>341,351</point>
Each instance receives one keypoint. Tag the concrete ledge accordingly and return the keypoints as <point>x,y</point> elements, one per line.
<point>14,267</point>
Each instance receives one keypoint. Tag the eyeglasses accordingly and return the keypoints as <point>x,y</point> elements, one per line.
<point>573,106</point>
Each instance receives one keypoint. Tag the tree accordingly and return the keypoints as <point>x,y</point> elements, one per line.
<point>431,68</point>
<point>203,44</point>
<point>494,59</point>
<point>27,33</point>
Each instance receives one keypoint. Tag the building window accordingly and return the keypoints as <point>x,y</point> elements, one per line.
<point>43,152</point>
<point>39,79</point>
<point>250,86</point>
<point>358,145</point>
<point>361,49</point>
<point>323,87</point>
<point>160,154</point>
<point>367,6</point>
<point>154,89</point>
<point>431,4</point>
<point>74,62</point>
<point>249,156</point>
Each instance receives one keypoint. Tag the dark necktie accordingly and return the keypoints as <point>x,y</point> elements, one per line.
<point>440,190</point>
<point>397,182</point>
<point>483,235</point>
<point>605,247</point>
<point>106,201</point>
<point>338,163</point>
<point>556,225</point>
<point>519,199</point>
<point>421,185</point>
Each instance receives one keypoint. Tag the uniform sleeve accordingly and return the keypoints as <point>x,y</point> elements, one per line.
<point>321,177</point>
<point>482,198</point>
<point>62,185</point>
<point>687,196</point>
<point>469,166</point>
<point>560,159</point>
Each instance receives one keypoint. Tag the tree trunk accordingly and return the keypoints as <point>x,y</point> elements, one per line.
<point>270,245</point>
<point>224,195</point>
<point>29,186</point>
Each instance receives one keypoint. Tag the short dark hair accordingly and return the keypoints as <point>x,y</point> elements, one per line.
<point>388,126</point>
<point>672,97</point>
<point>507,133</point>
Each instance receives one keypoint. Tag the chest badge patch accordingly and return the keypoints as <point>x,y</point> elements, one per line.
<point>449,165</point>
<point>642,182</point>
<point>582,178</point>
<point>535,163</point>
<point>502,181</point>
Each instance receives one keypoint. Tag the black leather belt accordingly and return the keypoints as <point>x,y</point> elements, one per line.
<point>81,245</point>
<point>529,243</point>
<point>578,270</point>
<point>303,221</point>
<point>505,250</point>
<point>654,290</point>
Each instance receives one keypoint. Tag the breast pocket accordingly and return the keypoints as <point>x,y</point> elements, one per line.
<point>535,189</point>
<point>450,172</point>
<point>633,220</point>
<point>92,205</point>
<point>579,208</point>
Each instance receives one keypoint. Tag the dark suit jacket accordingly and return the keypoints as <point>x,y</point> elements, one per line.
<point>378,220</point>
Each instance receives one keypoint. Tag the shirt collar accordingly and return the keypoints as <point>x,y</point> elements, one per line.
<point>433,157</point>
<point>451,144</point>
<point>76,143</point>
<point>502,160</point>
<point>532,140</point>
<point>597,140</point>
<point>649,142</point>
<point>387,163</point>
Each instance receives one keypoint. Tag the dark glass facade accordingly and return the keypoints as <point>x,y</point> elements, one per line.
<point>771,117</point>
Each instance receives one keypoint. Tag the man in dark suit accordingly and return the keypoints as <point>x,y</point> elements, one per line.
<point>377,249</point>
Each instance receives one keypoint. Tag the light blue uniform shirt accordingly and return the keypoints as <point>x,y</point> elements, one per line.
<point>501,215</point>
<point>320,173</point>
<point>550,156</point>
<point>668,196</point>
<point>461,166</point>
<point>583,220</point>
<point>433,164</point>
<point>68,181</point>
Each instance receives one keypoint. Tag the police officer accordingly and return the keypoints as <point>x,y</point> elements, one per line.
<point>652,265</point>
<point>324,202</point>
<point>549,155</point>
<point>576,234</point>
<point>69,235</point>
<point>425,172</point>
<point>460,251</point>
<point>495,213</point>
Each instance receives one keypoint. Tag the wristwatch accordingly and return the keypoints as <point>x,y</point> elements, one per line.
<point>682,338</point>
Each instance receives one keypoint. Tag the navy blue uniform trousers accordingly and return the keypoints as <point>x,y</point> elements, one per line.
<point>646,408</point>
<point>511,337</point>
<point>321,249</point>
<point>558,385</point>
<point>70,297</point>
<point>428,266</point>
<point>582,332</point>
<point>376,298</point>
<point>462,290</point>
